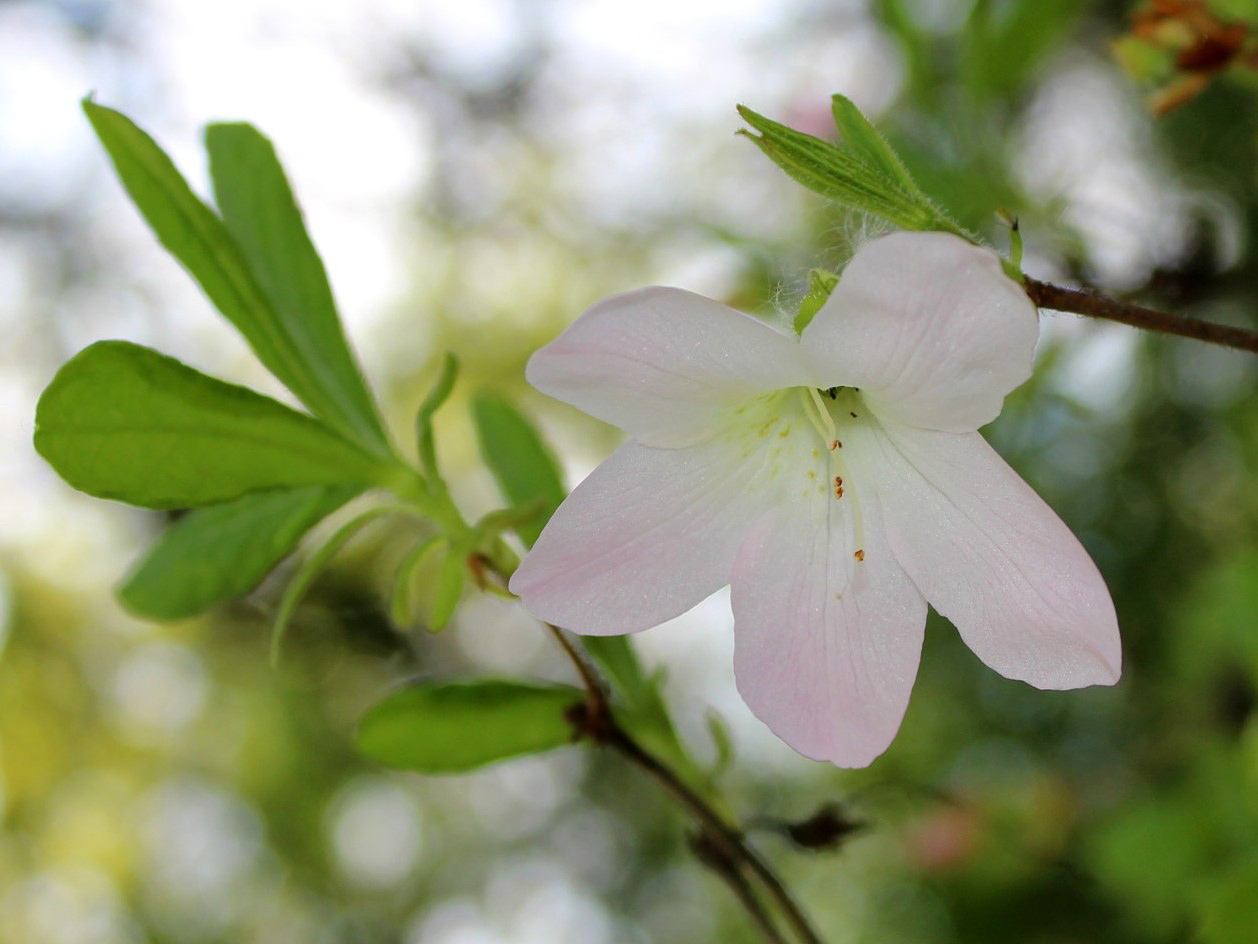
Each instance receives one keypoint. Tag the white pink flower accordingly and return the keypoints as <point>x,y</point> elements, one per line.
<point>835,480</point>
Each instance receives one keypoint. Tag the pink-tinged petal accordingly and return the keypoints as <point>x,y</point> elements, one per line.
<point>665,365</point>
<point>826,647</point>
<point>992,557</point>
<point>929,328</point>
<point>650,533</point>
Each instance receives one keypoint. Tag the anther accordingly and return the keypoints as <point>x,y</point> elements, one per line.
<point>860,554</point>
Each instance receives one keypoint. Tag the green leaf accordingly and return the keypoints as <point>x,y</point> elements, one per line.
<point>122,421</point>
<point>617,658</point>
<point>839,174</point>
<point>905,25</point>
<point>641,707</point>
<point>525,470</point>
<point>437,396</point>
<point>820,284</point>
<point>194,235</point>
<point>259,210</point>
<point>401,605</point>
<point>451,727</point>
<point>869,146</point>
<point>1006,41</point>
<point>224,551</point>
<point>451,576</point>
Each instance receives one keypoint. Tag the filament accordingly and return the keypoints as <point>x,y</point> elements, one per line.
<point>823,423</point>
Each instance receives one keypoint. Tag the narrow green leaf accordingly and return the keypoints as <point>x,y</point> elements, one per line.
<point>437,396</point>
<point>1006,42</point>
<point>451,727</point>
<point>451,576</point>
<point>900,19</point>
<point>838,174</point>
<point>834,173</point>
<point>122,421</point>
<point>617,658</point>
<point>194,235</point>
<point>718,730</point>
<point>869,146</point>
<point>820,284</point>
<point>310,568</point>
<point>525,470</point>
<point>401,604</point>
<point>641,707</point>
<point>224,551</point>
<point>259,210</point>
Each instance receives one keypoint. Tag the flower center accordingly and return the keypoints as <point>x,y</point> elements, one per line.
<point>822,419</point>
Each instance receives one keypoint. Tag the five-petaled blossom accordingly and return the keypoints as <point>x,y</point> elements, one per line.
<point>835,480</point>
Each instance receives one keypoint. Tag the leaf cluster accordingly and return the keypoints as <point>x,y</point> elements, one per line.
<point>252,476</point>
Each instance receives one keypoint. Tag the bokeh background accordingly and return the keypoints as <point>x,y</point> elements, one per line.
<point>475,174</point>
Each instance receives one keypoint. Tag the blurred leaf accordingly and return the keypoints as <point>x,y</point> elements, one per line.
<point>194,235</point>
<point>223,551</point>
<point>718,730</point>
<point>1246,10</point>
<point>1142,60</point>
<point>524,468</point>
<point>305,576</point>
<point>1007,40</point>
<point>122,421</point>
<point>1231,906</point>
<point>401,604</point>
<point>450,727</point>
<point>617,658</point>
<point>906,27</point>
<point>437,396</point>
<point>451,576</point>
<point>260,212</point>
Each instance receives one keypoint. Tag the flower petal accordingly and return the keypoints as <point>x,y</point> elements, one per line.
<point>826,647</point>
<point>650,533</point>
<point>665,365</point>
<point>929,328</point>
<point>992,557</point>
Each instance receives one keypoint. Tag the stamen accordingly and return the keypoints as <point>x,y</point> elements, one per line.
<point>823,423</point>
<point>820,417</point>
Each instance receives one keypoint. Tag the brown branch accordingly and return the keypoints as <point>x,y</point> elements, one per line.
<point>701,845</point>
<point>1046,295</point>
<point>729,851</point>
<point>727,839</point>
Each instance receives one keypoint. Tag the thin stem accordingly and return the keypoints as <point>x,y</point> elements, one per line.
<point>1047,295</point>
<point>702,846</point>
<point>729,846</point>
<point>727,840</point>
<point>730,851</point>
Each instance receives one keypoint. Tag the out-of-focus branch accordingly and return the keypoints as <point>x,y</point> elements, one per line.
<point>1047,295</point>
<point>721,846</point>
<point>718,844</point>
